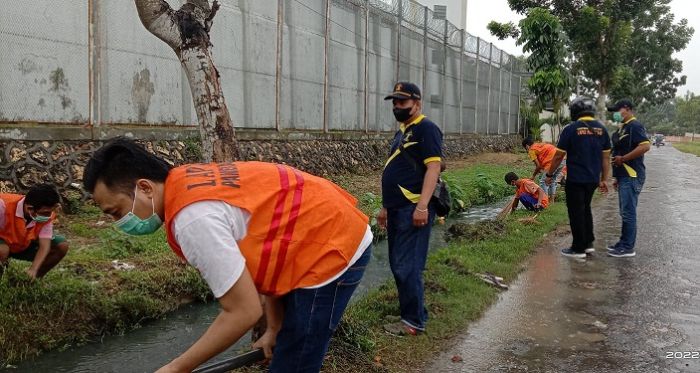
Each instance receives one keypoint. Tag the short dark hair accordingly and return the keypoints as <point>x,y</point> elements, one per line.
<point>527,141</point>
<point>121,162</point>
<point>511,177</point>
<point>42,195</point>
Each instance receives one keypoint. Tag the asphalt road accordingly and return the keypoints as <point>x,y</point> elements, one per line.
<point>604,314</point>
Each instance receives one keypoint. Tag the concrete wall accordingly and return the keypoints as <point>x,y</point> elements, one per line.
<point>55,70</point>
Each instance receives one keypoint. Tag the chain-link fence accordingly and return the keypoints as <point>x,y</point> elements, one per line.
<point>288,64</point>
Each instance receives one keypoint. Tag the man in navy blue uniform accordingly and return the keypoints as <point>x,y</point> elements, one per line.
<point>630,143</point>
<point>586,145</point>
<point>408,181</point>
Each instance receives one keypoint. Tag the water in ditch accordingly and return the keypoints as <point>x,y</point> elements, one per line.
<point>147,348</point>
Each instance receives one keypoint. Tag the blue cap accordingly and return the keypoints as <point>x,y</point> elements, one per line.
<point>404,91</point>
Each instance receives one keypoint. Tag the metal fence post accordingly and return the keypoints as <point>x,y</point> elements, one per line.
<point>278,71</point>
<point>476,86</point>
<point>488,99</point>
<point>366,118</point>
<point>326,48</point>
<point>520,90</point>
<point>500,89</point>
<point>443,118</point>
<point>461,81</point>
<point>399,21</point>
<point>93,69</point>
<point>425,50</point>
<point>510,93</point>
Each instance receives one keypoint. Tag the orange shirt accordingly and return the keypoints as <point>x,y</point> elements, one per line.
<point>543,153</point>
<point>527,186</point>
<point>15,231</point>
<point>302,231</point>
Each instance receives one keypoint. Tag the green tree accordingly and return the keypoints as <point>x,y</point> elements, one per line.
<point>601,35</point>
<point>659,117</point>
<point>542,35</point>
<point>688,114</point>
<point>650,73</point>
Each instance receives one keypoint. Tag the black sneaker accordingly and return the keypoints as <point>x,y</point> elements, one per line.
<point>573,254</point>
<point>590,250</point>
<point>620,253</point>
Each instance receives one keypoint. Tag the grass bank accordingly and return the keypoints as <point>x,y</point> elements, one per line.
<point>107,284</point>
<point>110,283</point>
<point>688,147</point>
<point>454,298</point>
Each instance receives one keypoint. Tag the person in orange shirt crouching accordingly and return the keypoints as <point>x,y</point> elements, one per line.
<point>26,230</point>
<point>531,195</point>
<point>541,155</point>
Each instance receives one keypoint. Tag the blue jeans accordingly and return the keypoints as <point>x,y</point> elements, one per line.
<point>408,251</point>
<point>551,189</point>
<point>310,318</point>
<point>529,202</point>
<point>628,192</point>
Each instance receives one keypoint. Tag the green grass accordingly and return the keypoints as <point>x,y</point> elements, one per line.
<point>480,184</point>
<point>688,147</point>
<point>84,297</point>
<point>454,298</point>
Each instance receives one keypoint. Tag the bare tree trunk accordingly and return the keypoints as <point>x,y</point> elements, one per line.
<point>600,103</point>
<point>186,31</point>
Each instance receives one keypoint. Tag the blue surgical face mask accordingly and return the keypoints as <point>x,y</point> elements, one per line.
<point>41,218</point>
<point>617,117</point>
<point>135,226</point>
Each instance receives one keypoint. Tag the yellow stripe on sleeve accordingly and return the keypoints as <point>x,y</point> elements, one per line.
<point>432,159</point>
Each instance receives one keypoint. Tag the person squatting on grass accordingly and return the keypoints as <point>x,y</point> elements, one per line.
<point>408,181</point>
<point>248,228</point>
<point>541,155</point>
<point>586,144</point>
<point>527,192</point>
<point>26,230</point>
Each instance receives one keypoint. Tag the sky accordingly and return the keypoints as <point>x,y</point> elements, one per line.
<point>481,12</point>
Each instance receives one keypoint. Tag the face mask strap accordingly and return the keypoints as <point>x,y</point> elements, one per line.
<point>153,206</point>
<point>133,205</point>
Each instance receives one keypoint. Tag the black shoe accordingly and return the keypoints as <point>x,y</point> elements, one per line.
<point>621,253</point>
<point>573,254</point>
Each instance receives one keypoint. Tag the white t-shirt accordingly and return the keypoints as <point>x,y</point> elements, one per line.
<point>207,232</point>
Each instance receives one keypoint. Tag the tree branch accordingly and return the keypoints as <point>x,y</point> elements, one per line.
<point>210,19</point>
<point>158,18</point>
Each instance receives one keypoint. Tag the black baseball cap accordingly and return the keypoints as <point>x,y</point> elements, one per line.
<point>624,103</point>
<point>404,91</point>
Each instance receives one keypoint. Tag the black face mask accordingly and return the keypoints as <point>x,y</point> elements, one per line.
<point>402,115</point>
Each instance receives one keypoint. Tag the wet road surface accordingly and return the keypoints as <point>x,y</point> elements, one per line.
<point>604,314</point>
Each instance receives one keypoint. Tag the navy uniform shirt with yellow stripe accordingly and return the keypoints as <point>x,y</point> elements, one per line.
<point>402,179</point>
<point>584,142</point>
<point>627,138</point>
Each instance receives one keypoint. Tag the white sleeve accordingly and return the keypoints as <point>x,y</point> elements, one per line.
<point>207,232</point>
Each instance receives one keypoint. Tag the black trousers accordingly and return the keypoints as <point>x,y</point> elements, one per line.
<point>578,204</point>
